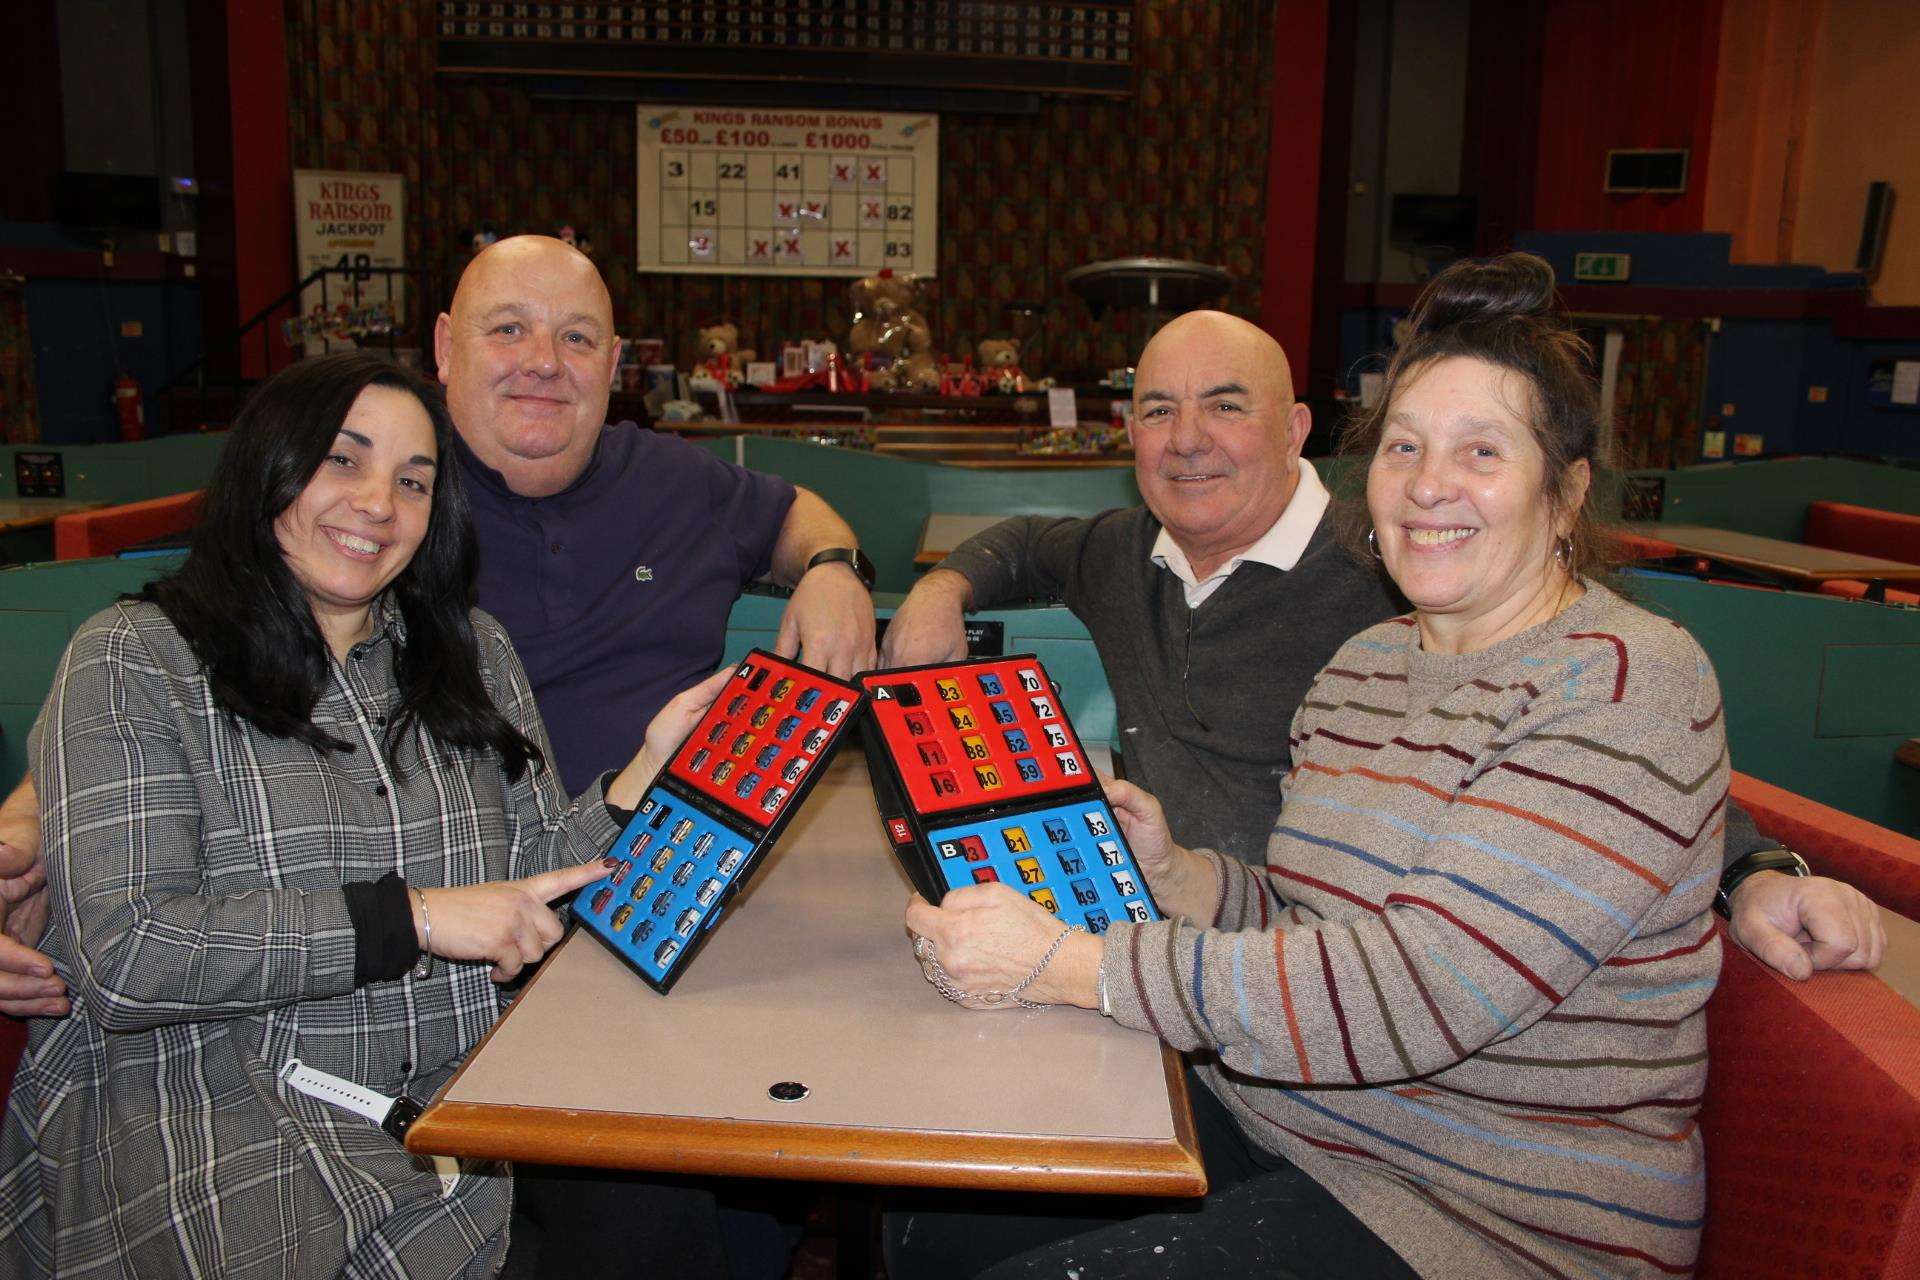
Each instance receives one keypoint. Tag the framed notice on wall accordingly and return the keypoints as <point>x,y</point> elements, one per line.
<point>771,191</point>
<point>351,222</point>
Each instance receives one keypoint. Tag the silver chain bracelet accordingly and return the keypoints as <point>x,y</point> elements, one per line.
<point>943,981</point>
<point>423,967</point>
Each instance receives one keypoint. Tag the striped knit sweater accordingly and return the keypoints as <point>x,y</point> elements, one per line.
<point>1465,993</point>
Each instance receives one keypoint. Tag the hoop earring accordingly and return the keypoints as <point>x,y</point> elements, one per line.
<point>1563,552</point>
<point>1373,545</point>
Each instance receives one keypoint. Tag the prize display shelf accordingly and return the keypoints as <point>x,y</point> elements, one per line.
<point>1009,432</point>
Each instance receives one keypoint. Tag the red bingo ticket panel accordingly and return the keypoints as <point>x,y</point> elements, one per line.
<point>708,821</point>
<point>980,777</point>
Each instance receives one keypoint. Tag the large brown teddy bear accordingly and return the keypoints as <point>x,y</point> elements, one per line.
<point>887,323</point>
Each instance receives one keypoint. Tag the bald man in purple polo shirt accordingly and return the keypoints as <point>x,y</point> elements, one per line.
<point>611,554</point>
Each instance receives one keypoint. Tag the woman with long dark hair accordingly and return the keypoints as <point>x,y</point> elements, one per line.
<point>274,788</point>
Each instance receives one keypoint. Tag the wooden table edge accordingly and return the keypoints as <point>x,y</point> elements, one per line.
<point>813,1152</point>
<point>1883,570</point>
<point>810,1152</point>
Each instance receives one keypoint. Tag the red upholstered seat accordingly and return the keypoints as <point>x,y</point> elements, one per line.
<point>1865,531</point>
<point>1812,1127</point>
<point>110,529</point>
<point>1853,589</point>
<point>1629,546</point>
<point>1812,1113</point>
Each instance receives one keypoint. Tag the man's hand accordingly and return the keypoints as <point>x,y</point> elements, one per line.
<point>665,732</point>
<point>829,622</point>
<point>28,985</point>
<point>930,624</point>
<point>1798,925</point>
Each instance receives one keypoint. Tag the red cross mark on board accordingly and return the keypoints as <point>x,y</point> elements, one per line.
<point>701,244</point>
<point>875,172</point>
<point>843,248</point>
<point>816,209</point>
<point>873,209</point>
<point>759,249</point>
<point>786,209</point>
<point>843,173</point>
<point>789,248</point>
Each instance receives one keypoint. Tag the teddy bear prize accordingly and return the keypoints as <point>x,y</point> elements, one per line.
<point>888,348</point>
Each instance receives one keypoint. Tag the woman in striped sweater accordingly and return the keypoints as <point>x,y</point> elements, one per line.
<point>1457,1019</point>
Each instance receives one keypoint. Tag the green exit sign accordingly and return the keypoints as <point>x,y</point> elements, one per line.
<point>1613,268</point>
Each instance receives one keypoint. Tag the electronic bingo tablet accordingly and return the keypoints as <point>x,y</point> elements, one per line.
<point>707,822</point>
<point>980,777</point>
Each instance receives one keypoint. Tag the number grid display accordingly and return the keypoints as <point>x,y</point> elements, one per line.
<point>706,824</point>
<point>726,190</point>
<point>980,778</point>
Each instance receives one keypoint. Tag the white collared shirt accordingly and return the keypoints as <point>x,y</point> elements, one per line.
<point>1281,546</point>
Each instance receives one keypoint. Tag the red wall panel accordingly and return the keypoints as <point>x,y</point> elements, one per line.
<point>1293,178</point>
<point>1622,73</point>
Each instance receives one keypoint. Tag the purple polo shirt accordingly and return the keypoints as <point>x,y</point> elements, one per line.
<point>616,591</point>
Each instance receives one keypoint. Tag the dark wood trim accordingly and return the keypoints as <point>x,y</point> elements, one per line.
<point>88,264</point>
<point>1846,309</point>
<point>1499,146</point>
<point>214,165</point>
<point>30,97</point>
<point>1321,374</point>
<point>1882,324</point>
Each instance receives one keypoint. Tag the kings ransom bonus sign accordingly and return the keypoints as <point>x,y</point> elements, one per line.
<point>769,191</point>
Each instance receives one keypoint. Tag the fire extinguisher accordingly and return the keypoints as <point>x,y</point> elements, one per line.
<point>129,408</point>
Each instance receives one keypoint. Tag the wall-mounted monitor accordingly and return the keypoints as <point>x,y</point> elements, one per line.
<point>1425,222</point>
<point>1655,171</point>
<point>108,201</point>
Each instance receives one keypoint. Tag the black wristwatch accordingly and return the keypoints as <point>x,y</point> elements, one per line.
<point>853,557</point>
<point>1782,860</point>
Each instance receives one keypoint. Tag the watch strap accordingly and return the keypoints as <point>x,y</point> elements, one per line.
<point>852,557</point>
<point>329,1088</point>
<point>1785,861</point>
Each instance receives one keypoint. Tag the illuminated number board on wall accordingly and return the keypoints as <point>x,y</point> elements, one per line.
<point>786,191</point>
<point>1016,46</point>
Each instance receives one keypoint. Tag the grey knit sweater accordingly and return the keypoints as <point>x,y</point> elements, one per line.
<point>1465,993</point>
<point>1203,695</point>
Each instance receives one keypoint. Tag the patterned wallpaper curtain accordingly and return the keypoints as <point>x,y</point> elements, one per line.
<point>19,401</point>
<point>1657,391</point>
<point>1178,171</point>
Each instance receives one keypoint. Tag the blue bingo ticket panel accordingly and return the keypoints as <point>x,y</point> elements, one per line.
<point>708,821</point>
<point>980,777</point>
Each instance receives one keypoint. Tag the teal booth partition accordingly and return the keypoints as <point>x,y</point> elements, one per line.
<point>1819,691</point>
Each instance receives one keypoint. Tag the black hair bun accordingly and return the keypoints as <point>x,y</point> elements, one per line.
<point>1476,291</point>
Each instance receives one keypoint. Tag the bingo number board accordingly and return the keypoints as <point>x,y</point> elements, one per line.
<point>706,824</point>
<point>980,777</point>
<point>778,191</point>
